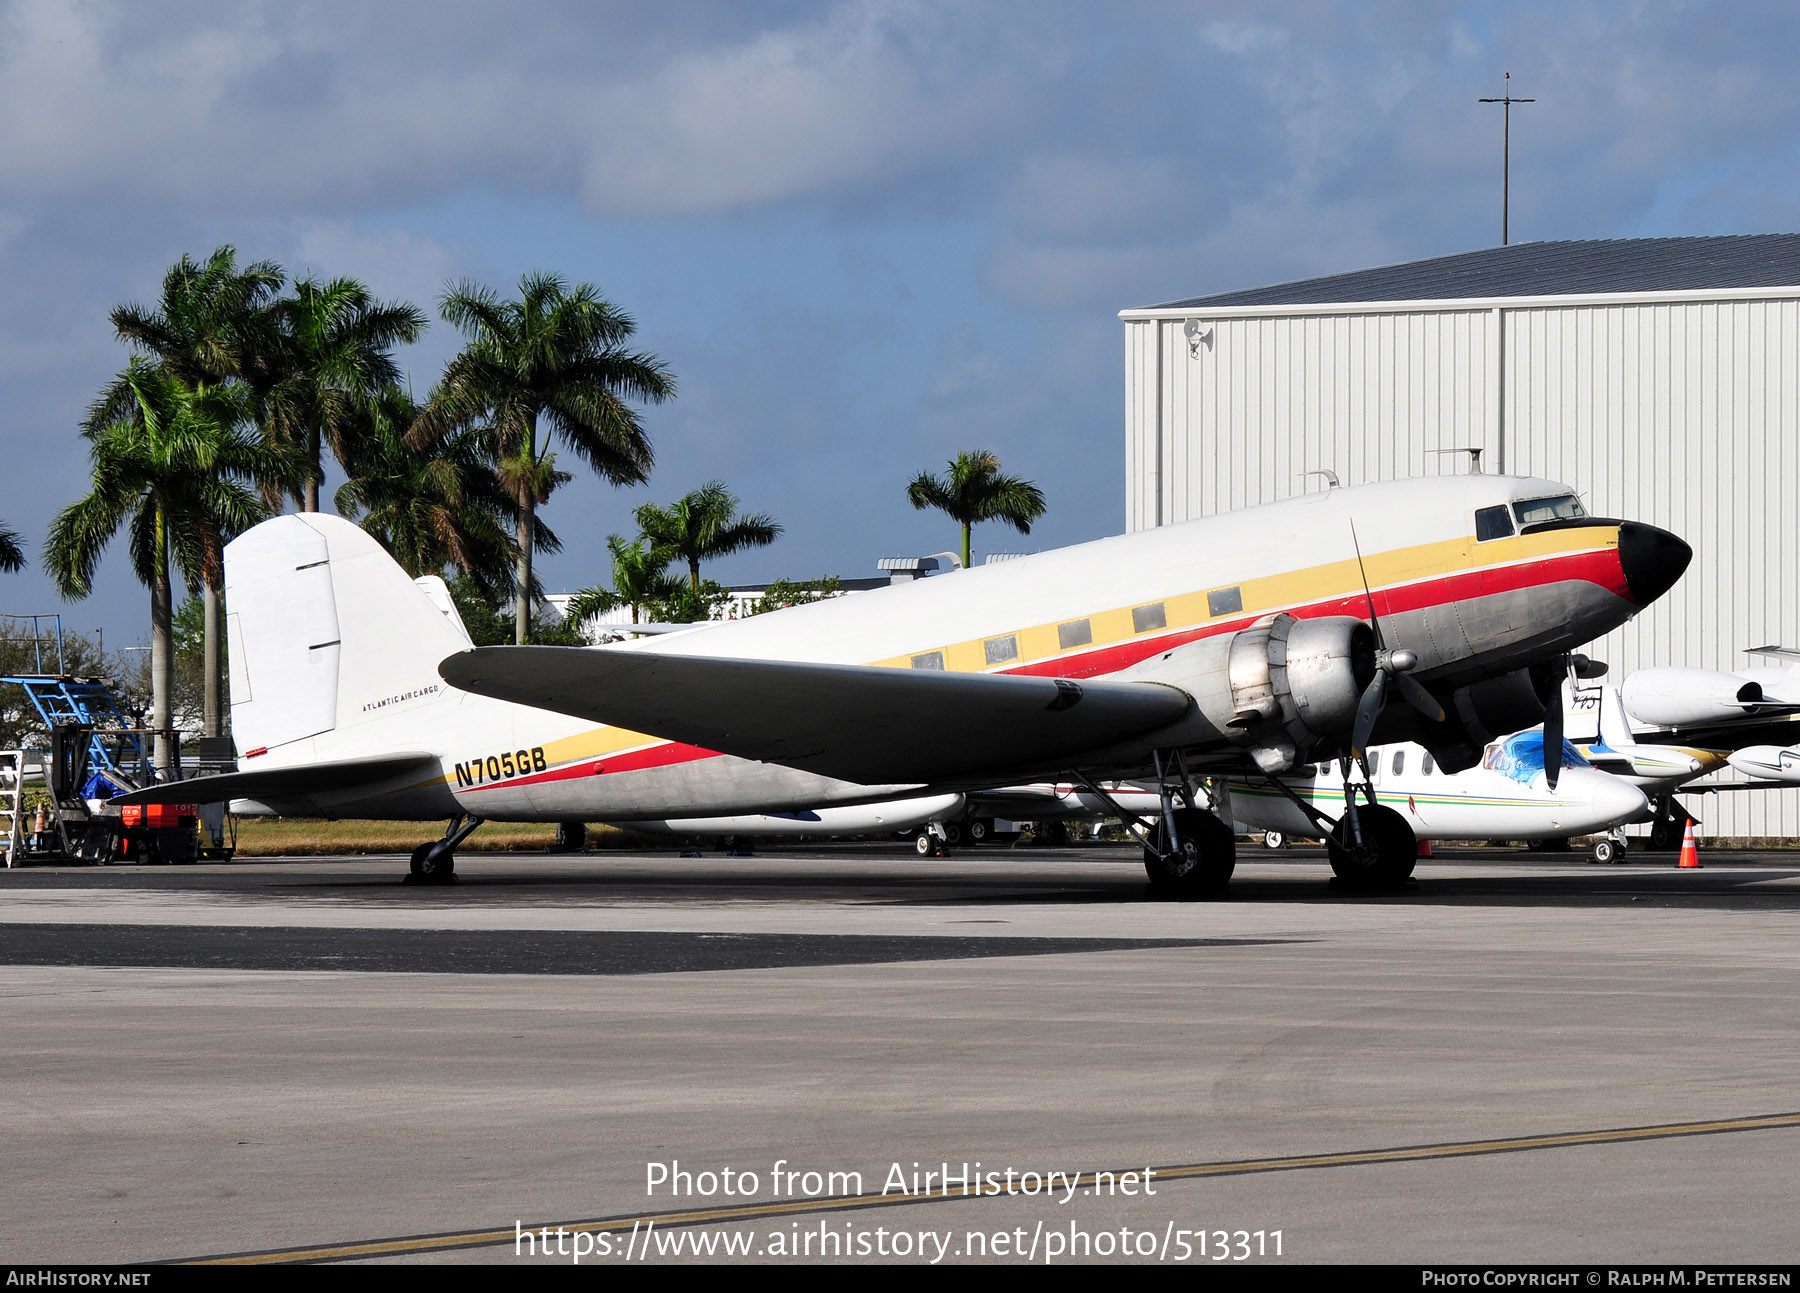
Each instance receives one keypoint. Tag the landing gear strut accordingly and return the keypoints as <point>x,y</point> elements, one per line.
<point>435,863</point>
<point>1370,846</point>
<point>1188,852</point>
<point>1671,818</point>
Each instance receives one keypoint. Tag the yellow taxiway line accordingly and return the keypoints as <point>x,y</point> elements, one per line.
<point>413,1244</point>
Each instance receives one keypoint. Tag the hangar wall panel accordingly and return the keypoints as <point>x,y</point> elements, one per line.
<point>1681,412</point>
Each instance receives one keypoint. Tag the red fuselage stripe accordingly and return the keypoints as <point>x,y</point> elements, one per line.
<point>1600,567</point>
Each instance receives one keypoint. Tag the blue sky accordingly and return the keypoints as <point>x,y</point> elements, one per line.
<point>864,236</point>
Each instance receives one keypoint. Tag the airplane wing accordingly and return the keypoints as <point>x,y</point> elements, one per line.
<point>877,726</point>
<point>276,783</point>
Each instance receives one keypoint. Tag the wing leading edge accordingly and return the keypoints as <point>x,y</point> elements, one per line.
<point>876,726</point>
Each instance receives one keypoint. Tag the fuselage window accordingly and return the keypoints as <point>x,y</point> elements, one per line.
<point>1145,618</point>
<point>1492,523</point>
<point>1225,601</point>
<point>1399,762</point>
<point>1073,634</point>
<point>1533,510</point>
<point>930,660</point>
<point>1000,650</point>
<point>1427,765</point>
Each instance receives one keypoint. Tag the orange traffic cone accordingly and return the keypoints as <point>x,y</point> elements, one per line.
<point>1690,856</point>
<point>1424,849</point>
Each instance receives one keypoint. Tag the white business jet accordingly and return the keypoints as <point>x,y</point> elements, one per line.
<point>1258,640</point>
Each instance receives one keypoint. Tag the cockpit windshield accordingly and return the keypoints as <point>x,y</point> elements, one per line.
<point>1564,507</point>
<point>1521,757</point>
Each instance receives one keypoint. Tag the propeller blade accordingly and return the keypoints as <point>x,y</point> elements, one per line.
<point>1419,698</point>
<point>1368,709</point>
<point>1368,594</point>
<point>1553,728</point>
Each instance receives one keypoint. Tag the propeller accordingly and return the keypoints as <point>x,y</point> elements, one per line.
<point>1390,667</point>
<point>1558,671</point>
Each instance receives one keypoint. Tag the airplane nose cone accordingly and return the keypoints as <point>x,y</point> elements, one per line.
<point>1652,560</point>
<point>1598,801</point>
<point>1620,802</point>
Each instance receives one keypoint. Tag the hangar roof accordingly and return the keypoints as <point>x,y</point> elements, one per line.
<point>1595,266</point>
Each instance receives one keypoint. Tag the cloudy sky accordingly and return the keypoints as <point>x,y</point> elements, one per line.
<point>864,236</point>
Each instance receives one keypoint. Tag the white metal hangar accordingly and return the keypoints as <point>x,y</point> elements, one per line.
<point>1659,376</point>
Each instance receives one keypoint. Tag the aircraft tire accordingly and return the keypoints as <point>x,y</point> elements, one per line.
<point>1662,835</point>
<point>981,830</point>
<point>1390,850</point>
<point>927,846</point>
<point>1274,840</point>
<point>1203,867</point>
<point>1605,851</point>
<point>433,864</point>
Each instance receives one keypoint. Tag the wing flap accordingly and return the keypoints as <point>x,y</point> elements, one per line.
<point>284,782</point>
<point>867,724</point>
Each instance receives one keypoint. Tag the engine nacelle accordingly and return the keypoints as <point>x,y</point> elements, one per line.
<point>1677,697</point>
<point>1277,688</point>
<point>1480,712</point>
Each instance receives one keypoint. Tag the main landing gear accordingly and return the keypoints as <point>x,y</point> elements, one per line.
<point>1371,846</point>
<point>1188,851</point>
<point>435,863</point>
<point>1671,819</point>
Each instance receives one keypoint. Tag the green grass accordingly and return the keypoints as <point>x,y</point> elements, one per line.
<point>301,837</point>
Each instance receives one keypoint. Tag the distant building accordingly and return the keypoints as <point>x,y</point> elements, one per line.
<point>1659,376</point>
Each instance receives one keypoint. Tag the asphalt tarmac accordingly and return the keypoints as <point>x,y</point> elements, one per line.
<point>1519,1059</point>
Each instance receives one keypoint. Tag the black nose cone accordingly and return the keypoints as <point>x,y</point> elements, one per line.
<point>1652,560</point>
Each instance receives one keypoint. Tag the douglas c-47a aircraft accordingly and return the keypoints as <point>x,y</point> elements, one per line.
<point>1250,643</point>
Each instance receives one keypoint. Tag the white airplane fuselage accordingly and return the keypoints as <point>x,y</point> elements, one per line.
<point>1505,798</point>
<point>334,652</point>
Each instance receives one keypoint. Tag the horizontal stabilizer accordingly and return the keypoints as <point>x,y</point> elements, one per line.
<point>280,783</point>
<point>877,726</point>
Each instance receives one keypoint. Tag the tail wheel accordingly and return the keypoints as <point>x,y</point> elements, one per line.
<point>433,863</point>
<point>1201,866</point>
<point>1387,855</point>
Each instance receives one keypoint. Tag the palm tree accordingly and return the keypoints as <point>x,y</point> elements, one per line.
<point>432,510</point>
<point>212,325</point>
<point>12,556</point>
<point>705,524</point>
<point>975,490</point>
<point>640,577</point>
<point>557,356</point>
<point>174,472</point>
<point>328,357</point>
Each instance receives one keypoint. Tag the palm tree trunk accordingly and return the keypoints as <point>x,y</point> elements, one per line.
<point>162,653</point>
<point>966,529</point>
<point>311,500</point>
<point>522,607</point>
<point>212,700</point>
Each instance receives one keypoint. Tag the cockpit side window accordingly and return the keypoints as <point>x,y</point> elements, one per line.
<point>1564,507</point>
<point>1492,523</point>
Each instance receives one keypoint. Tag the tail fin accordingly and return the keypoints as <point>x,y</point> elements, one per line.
<point>330,640</point>
<point>1615,727</point>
